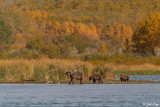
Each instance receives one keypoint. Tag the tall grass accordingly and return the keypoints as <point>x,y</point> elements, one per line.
<point>144,69</point>
<point>41,70</point>
<point>53,70</point>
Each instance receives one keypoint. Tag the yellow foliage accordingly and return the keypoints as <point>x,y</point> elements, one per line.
<point>86,18</point>
<point>91,32</point>
<point>80,28</point>
<point>53,15</point>
<point>68,28</point>
<point>56,27</point>
<point>18,36</point>
<point>92,27</point>
<point>109,31</point>
<point>103,49</point>
<point>147,33</point>
<point>38,15</point>
<point>44,14</point>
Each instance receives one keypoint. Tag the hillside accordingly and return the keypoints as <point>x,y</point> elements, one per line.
<point>69,28</point>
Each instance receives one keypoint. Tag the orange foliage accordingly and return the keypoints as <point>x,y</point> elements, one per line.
<point>118,31</point>
<point>38,15</point>
<point>80,28</point>
<point>68,28</point>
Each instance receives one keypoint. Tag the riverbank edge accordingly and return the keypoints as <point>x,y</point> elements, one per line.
<point>106,82</point>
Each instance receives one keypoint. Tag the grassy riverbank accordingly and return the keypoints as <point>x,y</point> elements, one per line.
<point>144,69</point>
<point>53,70</point>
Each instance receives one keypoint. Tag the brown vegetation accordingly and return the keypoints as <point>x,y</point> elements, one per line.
<point>44,70</point>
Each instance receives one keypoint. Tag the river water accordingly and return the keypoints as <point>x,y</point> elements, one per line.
<point>86,95</point>
<point>143,77</point>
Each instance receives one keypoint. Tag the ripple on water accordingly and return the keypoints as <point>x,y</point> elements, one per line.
<point>118,95</point>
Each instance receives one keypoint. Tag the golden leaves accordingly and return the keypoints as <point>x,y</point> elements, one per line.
<point>145,37</point>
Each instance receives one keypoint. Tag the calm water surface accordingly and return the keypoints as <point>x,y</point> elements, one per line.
<point>87,95</point>
<point>144,77</point>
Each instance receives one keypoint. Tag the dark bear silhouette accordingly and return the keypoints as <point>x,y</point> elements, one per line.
<point>75,74</point>
<point>95,77</point>
<point>123,77</point>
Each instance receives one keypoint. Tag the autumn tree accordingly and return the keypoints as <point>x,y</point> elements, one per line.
<point>108,32</point>
<point>68,27</point>
<point>147,35</point>
<point>93,32</point>
<point>103,50</point>
<point>100,29</point>
<point>115,35</point>
<point>54,27</point>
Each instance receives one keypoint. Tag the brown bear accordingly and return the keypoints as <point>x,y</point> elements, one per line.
<point>95,77</point>
<point>123,77</point>
<point>75,74</point>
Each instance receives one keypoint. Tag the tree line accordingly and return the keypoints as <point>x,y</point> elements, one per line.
<point>78,28</point>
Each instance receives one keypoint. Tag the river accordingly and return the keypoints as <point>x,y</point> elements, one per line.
<point>86,95</point>
<point>143,77</point>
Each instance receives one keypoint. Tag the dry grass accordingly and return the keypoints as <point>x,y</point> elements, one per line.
<point>53,70</point>
<point>144,69</point>
<point>40,70</point>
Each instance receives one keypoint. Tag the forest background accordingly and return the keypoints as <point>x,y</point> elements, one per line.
<point>42,39</point>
